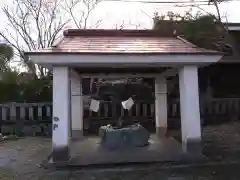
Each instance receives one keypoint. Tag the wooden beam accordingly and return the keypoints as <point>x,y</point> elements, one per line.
<point>117,75</point>
<point>167,73</point>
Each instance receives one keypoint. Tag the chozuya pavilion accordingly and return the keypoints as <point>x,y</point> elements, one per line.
<point>123,53</point>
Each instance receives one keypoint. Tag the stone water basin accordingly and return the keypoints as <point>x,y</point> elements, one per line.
<point>126,137</point>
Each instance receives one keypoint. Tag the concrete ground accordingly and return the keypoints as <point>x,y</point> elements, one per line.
<point>160,149</point>
<point>21,159</point>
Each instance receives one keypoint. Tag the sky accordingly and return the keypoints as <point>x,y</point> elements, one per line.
<point>141,13</point>
<point>114,13</point>
<point>132,14</point>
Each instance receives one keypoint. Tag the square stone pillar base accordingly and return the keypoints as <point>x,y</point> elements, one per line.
<point>77,134</point>
<point>161,131</point>
<point>60,154</point>
<point>193,146</point>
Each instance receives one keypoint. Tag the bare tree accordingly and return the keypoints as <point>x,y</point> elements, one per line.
<point>80,11</point>
<point>126,25</point>
<point>33,25</point>
<point>215,3</point>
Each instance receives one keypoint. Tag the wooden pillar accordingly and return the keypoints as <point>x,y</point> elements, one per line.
<point>61,114</point>
<point>161,105</point>
<point>190,111</point>
<point>76,105</point>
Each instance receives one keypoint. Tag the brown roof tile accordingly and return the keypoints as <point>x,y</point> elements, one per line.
<point>121,42</point>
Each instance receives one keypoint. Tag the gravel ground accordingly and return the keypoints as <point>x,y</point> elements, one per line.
<point>222,142</point>
<point>21,159</point>
<point>217,172</point>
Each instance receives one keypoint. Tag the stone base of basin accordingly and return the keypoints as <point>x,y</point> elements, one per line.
<point>130,136</point>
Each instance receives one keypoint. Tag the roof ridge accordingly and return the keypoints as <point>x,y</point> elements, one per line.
<point>187,42</point>
<point>58,41</point>
<point>145,44</point>
<point>116,33</point>
<point>193,45</point>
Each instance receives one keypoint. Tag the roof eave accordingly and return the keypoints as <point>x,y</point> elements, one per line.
<point>124,54</point>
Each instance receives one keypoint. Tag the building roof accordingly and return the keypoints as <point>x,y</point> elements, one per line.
<point>98,41</point>
<point>232,26</point>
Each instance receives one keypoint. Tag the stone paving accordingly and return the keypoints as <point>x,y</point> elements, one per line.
<point>160,149</point>
<point>21,159</point>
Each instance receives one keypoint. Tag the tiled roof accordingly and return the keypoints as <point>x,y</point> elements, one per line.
<point>121,42</point>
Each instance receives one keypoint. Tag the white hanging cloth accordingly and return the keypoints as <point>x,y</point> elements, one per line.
<point>128,103</point>
<point>94,105</point>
